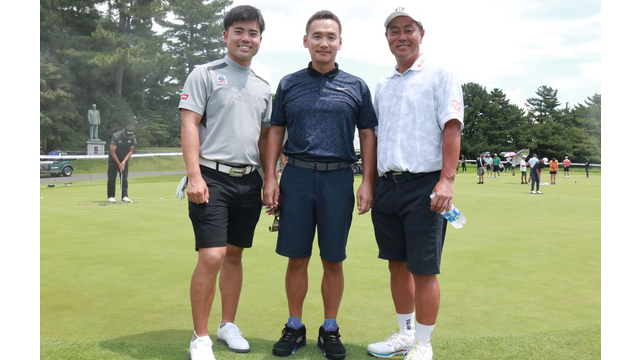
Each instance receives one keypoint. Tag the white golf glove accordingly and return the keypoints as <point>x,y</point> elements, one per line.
<point>182,186</point>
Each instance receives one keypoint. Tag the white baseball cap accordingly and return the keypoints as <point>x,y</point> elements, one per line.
<point>402,11</point>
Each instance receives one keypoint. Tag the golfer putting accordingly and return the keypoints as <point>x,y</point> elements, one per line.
<point>120,151</point>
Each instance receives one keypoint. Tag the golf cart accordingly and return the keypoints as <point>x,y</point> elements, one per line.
<point>55,167</point>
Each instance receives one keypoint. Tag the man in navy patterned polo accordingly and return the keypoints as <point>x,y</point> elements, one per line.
<point>319,107</point>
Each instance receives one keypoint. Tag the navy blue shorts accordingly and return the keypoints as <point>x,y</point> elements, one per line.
<point>311,199</point>
<point>233,210</point>
<point>405,227</point>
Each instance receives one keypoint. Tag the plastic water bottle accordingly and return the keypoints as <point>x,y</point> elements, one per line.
<point>454,216</point>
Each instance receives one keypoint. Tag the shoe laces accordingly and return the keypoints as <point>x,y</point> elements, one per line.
<point>233,329</point>
<point>288,333</point>
<point>204,340</point>
<point>419,351</point>
<point>396,340</point>
<point>332,337</point>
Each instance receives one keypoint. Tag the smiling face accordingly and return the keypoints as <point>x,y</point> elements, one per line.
<point>243,41</point>
<point>323,41</point>
<point>404,38</point>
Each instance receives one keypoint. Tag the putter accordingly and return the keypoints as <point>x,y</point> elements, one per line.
<point>121,187</point>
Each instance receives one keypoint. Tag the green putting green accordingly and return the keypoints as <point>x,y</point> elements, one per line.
<point>521,280</point>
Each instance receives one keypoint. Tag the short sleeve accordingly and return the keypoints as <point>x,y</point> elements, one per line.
<point>278,116</point>
<point>450,100</point>
<point>196,90</point>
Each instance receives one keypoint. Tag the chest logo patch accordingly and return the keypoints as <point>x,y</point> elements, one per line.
<point>222,80</point>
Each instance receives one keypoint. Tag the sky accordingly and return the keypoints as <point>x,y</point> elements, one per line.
<point>514,45</point>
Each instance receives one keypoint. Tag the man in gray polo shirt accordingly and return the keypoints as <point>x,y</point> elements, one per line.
<point>420,114</point>
<point>225,111</point>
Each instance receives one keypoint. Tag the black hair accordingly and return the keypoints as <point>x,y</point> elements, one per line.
<point>243,13</point>
<point>324,14</point>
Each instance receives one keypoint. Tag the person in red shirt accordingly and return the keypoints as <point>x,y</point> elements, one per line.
<point>553,169</point>
<point>566,164</point>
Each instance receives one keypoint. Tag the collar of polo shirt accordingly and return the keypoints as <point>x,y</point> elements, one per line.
<point>417,66</point>
<point>316,73</point>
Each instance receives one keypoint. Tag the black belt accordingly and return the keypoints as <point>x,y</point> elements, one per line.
<point>319,166</point>
<point>400,177</point>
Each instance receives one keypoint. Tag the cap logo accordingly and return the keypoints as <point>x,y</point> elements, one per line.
<point>401,8</point>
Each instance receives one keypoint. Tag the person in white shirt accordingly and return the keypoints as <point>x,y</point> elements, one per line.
<point>420,118</point>
<point>523,170</point>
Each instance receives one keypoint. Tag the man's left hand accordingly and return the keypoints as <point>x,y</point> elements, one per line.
<point>444,196</point>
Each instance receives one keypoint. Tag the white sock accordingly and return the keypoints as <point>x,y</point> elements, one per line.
<point>423,332</point>
<point>406,323</point>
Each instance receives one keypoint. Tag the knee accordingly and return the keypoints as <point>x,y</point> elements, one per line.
<point>233,255</point>
<point>211,259</point>
<point>332,267</point>
<point>298,264</point>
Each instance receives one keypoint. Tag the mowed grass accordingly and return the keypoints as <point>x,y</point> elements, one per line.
<point>520,281</point>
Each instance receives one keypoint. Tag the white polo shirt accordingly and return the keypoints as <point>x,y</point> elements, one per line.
<point>412,109</point>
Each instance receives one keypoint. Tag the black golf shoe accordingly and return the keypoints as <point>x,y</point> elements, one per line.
<point>330,344</point>
<point>290,341</point>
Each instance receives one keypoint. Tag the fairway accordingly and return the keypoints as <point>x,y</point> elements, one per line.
<point>521,280</point>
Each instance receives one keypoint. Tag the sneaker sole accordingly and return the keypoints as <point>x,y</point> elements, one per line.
<point>232,349</point>
<point>286,352</point>
<point>401,352</point>
<point>331,356</point>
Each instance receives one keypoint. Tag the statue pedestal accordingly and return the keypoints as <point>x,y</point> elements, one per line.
<point>95,147</point>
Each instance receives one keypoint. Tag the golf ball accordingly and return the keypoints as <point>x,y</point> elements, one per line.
<point>41,197</point>
<point>160,198</point>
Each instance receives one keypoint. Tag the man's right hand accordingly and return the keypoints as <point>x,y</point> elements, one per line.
<point>197,190</point>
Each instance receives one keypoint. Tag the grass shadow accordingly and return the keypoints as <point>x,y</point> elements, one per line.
<point>174,344</point>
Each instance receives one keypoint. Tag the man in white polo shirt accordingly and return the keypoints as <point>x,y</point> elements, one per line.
<point>420,117</point>
<point>225,111</point>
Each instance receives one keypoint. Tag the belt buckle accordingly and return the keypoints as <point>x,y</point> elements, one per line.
<point>237,172</point>
<point>394,176</point>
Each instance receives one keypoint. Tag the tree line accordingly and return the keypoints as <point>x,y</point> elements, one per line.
<point>111,53</point>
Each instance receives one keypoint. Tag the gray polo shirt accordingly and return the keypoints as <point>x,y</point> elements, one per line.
<point>235,104</point>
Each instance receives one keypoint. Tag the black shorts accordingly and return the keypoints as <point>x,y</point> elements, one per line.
<point>233,210</point>
<point>566,169</point>
<point>405,227</point>
<point>311,199</point>
<point>553,172</point>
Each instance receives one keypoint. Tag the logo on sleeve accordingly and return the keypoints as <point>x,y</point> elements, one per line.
<point>184,97</point>
<point>455,104</point>
<point>222,80</point>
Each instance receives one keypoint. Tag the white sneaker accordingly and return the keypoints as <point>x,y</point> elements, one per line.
<point>539,192</point>
<point>230,335</point>
<point>420,351</point>
<point>200,348</point>
<point>396,344</point>
<point>127,200</point>
<point>111,200</point>
<point>533,192</point>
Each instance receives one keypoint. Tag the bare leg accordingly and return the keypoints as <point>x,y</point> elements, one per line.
<point>296,284</point>
<point>231,283</point>
<point>203,286</point>
<point>427,298</point>
<point>332,288</point>
<point>402,287</point>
